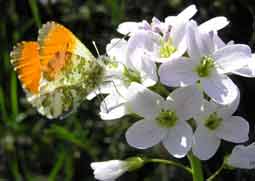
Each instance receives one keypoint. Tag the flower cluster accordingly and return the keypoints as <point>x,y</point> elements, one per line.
<point>174,75</point>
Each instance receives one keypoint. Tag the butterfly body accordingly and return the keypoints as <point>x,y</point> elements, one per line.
<point>57,71</point>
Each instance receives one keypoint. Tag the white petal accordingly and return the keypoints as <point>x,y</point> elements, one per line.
<point>140,45</point>
<point>199,44</point>
<point>219,43</point>
<point>232,57</point>
<point>229,109</point>
<point>113,106</point>
<point>148,72</point>
<point>187,101</point>
<point>220,88</point>
<point>171,20</point>
<point>205,143</point>
<point>249,70</point>
<point>187,13</point>
<point>143,101</point>
<point>108,170</point>
<point>234,129</point>
<point>178,140</point>
<point>193,41</point>
<point>117,48</point>
<point>243,157</point>
<point>128,27</point>
<point>177,73</point>
<point>245,72</point>
<point>214,24</point>
<point>178,34</point>
<point>144,134</point>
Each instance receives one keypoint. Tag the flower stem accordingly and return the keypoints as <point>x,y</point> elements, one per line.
<point>169,162</point>
<point>197,172</point>
<point>216,173</point>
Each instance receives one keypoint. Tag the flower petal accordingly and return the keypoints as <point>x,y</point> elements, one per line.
<point>148,72</point>
<point>205,143</point>
<point>178,140</point>
<point>214,24</point>
<point>243,157</point>
<point>117,49</point>
<point>245,72</point>
<point>109,170</point>
<point>143,101</point>
<point>232,57</point>
<point>113,107</point>
<point>128,27</point>
<point>177,73</point>
<point>229,109</point>
<point>234,129</point>
<point>144,134</point>
<point>140,44</point>
<point>249,70</point>
<point>220,88</point>
<point>187,13</point>
<point>187,101</point>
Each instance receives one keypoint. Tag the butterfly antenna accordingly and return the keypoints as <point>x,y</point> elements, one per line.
<point>95,46</point>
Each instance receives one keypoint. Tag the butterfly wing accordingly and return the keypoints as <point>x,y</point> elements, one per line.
<point>26,61</point>
<point>55,38</point>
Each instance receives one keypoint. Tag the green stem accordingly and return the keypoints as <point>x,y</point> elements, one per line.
<point>197,172</point>
<point>169,162</point>
<point>14,96</point>
<point>35,12</point>
<point>4,115</point>
<point>58,165</point>
<point>216,173</point>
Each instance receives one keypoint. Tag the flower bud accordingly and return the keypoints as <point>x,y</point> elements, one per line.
<point>112,169</point>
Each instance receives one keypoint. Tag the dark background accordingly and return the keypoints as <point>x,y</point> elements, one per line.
<point>34,148</point>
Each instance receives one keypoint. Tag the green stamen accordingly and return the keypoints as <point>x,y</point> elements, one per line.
<point>167,48</point>
<point>167,118</point>
<point>213,121</point>
<point>205,67</point>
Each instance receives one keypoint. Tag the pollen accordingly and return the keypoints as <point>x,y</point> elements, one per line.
<point>167,118</point>
<point>167,48</point>
<point>213,121</point>
<point>205,67</point>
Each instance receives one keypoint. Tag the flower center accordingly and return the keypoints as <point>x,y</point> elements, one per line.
<point>167,48</point>
<point>167,118</point>
<point>205,67</point>
<point>213,121</point>
<point>131,76</point>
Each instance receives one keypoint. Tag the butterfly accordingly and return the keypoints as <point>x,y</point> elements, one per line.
<point>57,71</point>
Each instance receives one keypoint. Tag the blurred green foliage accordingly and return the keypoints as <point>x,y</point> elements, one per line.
<point>34,148</point>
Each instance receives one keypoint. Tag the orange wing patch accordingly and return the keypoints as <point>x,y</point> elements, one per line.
<point>26,61</point>
<point>55,40</point>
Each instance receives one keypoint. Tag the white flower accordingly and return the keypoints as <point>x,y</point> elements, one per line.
<point>164,120</point>
<point>206,64</point>
<point>242,157</point>
<point>120,73</point>
<point>109,170</point>
<point>215,122</point>
<point>160,41</point>
<point>112,169</point>
<point>167,41</point>
<point>157,26</point>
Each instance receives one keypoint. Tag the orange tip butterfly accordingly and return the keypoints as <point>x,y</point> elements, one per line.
<point>57,71</point>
